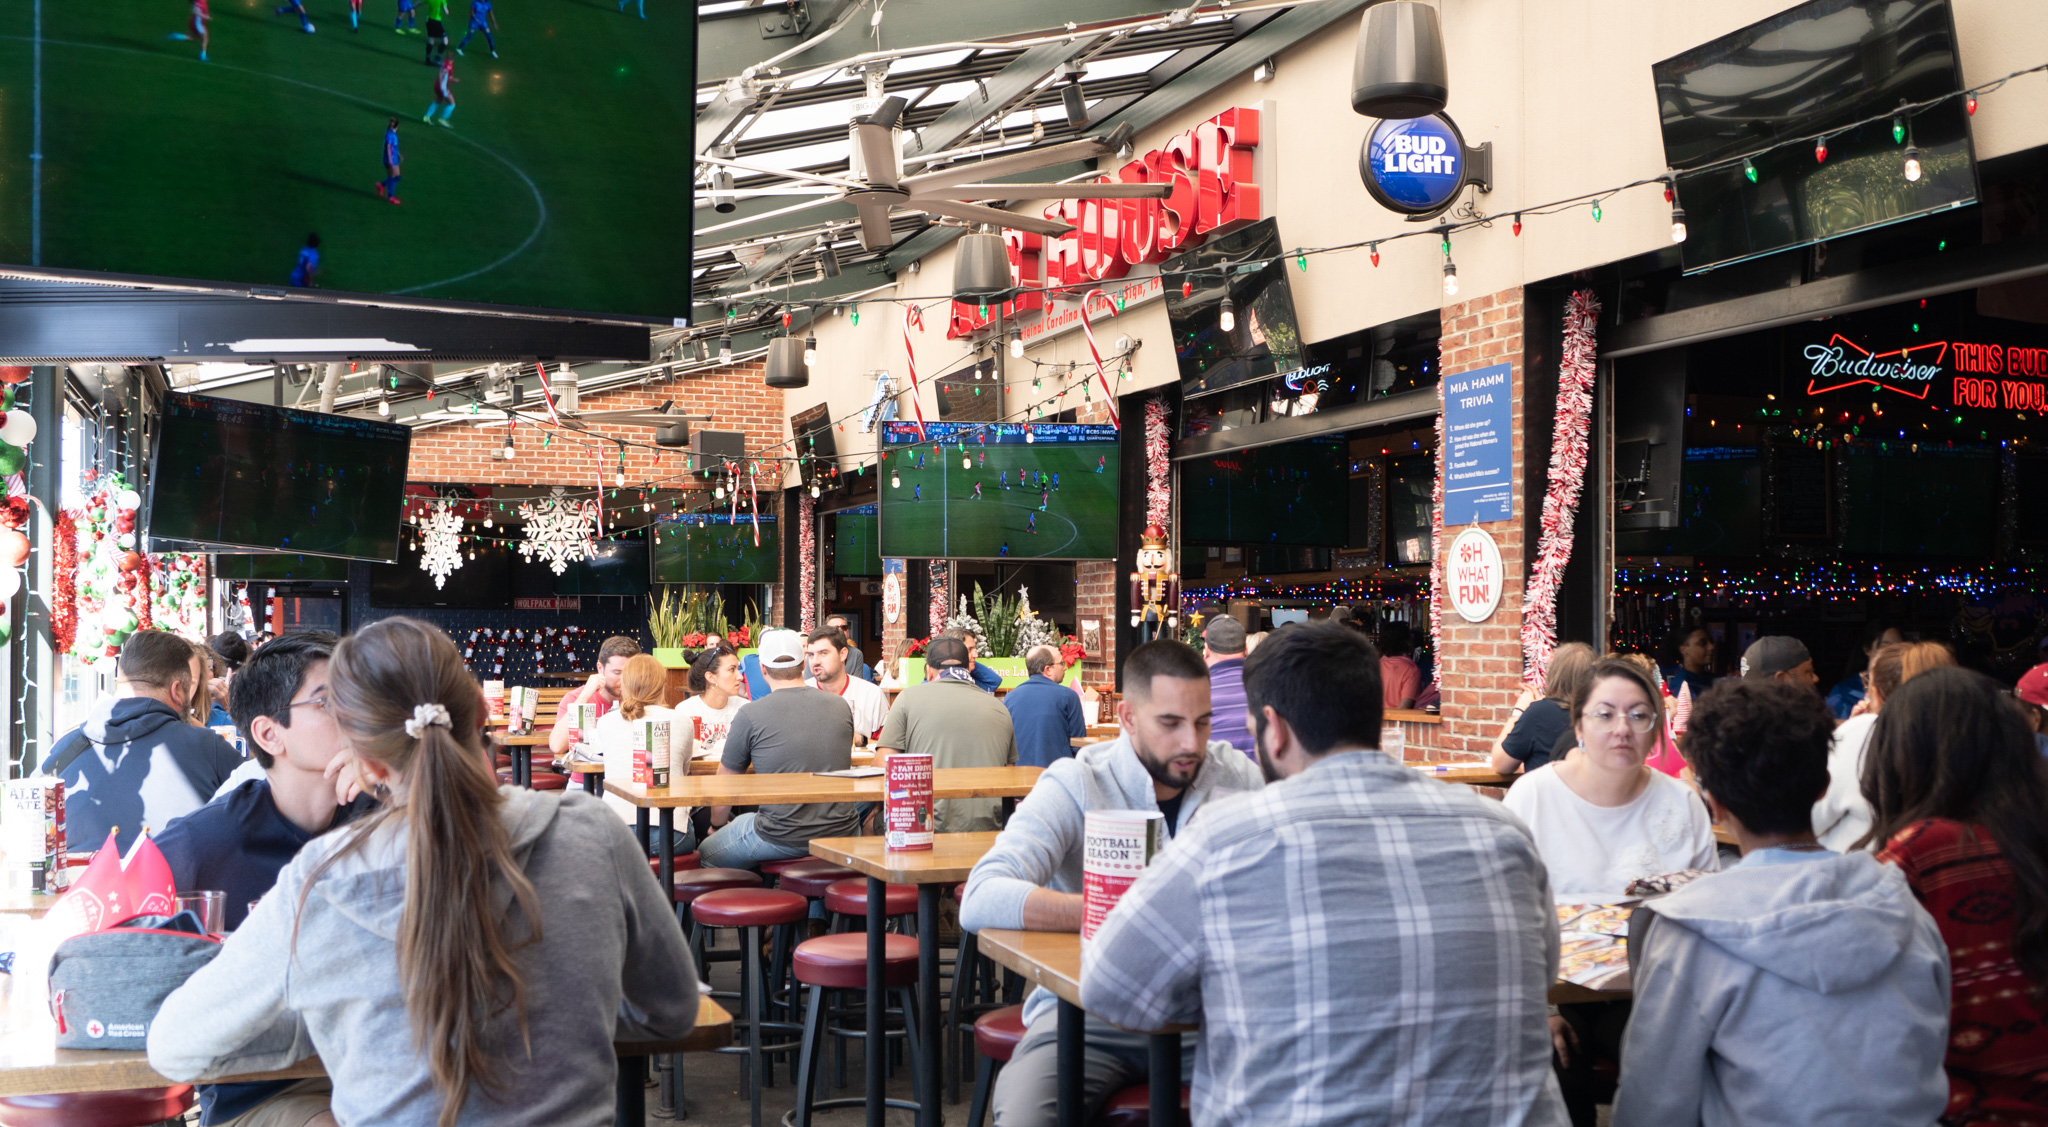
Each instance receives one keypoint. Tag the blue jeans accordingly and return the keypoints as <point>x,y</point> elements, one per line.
<point>740,846</point>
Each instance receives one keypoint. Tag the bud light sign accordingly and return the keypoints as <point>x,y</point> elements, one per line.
<point>1415,165</point>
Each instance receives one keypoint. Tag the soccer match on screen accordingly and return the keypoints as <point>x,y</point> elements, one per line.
<point>989,491</point>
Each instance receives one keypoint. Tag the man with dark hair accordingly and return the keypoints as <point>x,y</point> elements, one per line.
<point>601,690</point>
<point>793,728</point>
<point>1163,761</point>
<point>825,651</point>
<point>239,842</point>
<point>1400,677</point>
<point>1046,714</point>
<point>856,660</point>
<point>135,762</point>
<point>1417,935</point>
<point>986,679</point>
<point>229,652</point>
<point>1799,985</point>
<point>958,725</point>
<point>1223,647</point>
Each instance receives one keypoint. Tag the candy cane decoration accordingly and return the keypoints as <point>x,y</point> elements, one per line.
<point>913,319</point>
<point>1109,397</point>
<point>754,500</point>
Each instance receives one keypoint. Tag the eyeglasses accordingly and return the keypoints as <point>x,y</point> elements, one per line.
<point>317,702</point>
<point>1639,720</point>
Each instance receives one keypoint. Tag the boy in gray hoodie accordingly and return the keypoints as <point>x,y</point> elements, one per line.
<point>1798,987</point>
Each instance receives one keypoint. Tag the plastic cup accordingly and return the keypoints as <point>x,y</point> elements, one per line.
<point>210,906</point>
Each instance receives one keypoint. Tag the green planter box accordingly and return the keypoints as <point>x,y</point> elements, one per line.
<point>672,658</point>
<point>1012,669</point>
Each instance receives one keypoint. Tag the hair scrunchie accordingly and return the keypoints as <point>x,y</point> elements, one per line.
<point>426,716</point>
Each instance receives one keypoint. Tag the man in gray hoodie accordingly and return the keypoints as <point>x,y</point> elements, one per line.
<point>1800,986</point>
<point>1164,761</point>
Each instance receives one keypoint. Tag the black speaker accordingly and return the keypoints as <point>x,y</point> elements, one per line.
<point>1399,69</point>
<point>677,435</point>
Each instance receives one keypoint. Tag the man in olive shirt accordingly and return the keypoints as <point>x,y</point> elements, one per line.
<point>794,728</point>
<point>959,725</point>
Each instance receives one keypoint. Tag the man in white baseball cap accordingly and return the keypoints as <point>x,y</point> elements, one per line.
<point>793,728</point>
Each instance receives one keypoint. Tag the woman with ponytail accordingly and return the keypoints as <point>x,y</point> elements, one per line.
<point>466,955</point>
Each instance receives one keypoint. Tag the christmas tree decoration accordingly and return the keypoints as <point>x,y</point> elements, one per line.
<point>558,530</point>
<point>1567,478</point>
<point>441,552</point>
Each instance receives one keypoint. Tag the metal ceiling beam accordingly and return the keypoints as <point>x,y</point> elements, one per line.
<point>932,238</point>
<point>1274,36</point>
<point>995,96</point>
<point>725,47</point>
<point>772,260</point>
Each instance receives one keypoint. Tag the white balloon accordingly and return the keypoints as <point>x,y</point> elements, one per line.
<point>128,499</point>
<point>127,540</point>
<point>19,429</point>
<point>10,582</point>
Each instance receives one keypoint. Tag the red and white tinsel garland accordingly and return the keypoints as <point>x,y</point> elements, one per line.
<point>64,579</point>
<point>936,573</point>
<point>807,549</point>
<point>1436,541</point>
<point>1575,373</point>
<point>1158,465</point>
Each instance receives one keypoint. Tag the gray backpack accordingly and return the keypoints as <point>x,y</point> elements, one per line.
<point>106,987</point>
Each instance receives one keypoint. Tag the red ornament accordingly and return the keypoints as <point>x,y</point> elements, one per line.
<point>13,548</point>
<point>1187,287</point>
<point>18,373</point>
<point>15,513</point>
<point>1820,151</point>
<point>130,561</point>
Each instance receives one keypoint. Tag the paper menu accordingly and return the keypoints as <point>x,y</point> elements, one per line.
<point>1593,944</point>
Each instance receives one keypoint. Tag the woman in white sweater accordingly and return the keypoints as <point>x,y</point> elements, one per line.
<point>640,691</point>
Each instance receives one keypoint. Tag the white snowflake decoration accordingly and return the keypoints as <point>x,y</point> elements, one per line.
<point>558,530</point>
<point>440,542</point>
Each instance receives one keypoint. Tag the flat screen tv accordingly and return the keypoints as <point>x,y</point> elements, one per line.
<point>1289,493</point>
<point>484,583</point>
<point>1015,492</point>
<point>229,474</point>
<point>616,567</point>
<point>812,431</point>
<point>546,177</point>
<point>855,547</point>
<point>279,568</point>
<point>1263,339</point>
<point>1764,91</point>
<point>716,548</point>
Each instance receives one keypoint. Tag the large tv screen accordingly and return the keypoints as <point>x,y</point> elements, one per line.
<point>1819,68</point>
<point>1263,337</point>
<point>1289,493</point>
<point>280,568</point>
<point>716,548</point>
<point>557,176</point>
<point>482,583</point>
<point>617,567</point>
<point>243,475</point>
<point>856,550</point>
<point>1015,492</point>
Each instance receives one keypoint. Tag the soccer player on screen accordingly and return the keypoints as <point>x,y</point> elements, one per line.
<point>297,8</point>
<point>406,20</point>
<point>1044,498</point>
<point>1100,461</point>
<point>198,28</point>
<point>387,188</point>
<point>437,31</point>
<point>1033,518</point>
<point>1003,479</point>
<point>977,491</point>
<point>308,265</point>
<point>444,93</point>
<point>355,15</point>
<point>481,18</point>
<point>917,492</point>
<point>1055,479</point>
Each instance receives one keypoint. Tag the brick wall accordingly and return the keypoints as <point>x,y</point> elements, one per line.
<point>734,396</point>
<point>1095,597</point>
<point>1482,661</point>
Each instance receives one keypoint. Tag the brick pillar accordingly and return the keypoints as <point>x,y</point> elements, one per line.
<point>1095,597</point>
<point>894,633</point>
<point>1481,662</point>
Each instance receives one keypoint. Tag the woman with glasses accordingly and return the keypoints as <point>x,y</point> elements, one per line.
<point>1602,817</point>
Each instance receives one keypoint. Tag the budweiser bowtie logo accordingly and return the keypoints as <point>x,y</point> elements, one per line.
<point>1842,362</point>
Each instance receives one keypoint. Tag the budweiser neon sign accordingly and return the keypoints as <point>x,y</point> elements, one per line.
<point>1842,363</point>
<point>1213,192</point>
<point>1917,370</point>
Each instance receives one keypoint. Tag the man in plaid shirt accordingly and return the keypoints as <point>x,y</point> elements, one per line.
<point>1362,944</point>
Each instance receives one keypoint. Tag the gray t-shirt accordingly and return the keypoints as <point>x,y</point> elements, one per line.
<point>789,731</point>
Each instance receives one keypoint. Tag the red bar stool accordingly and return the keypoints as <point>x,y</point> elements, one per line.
<point>749,910</point>
<point>773,869</point>
<point>1132,1107</point>
<point>996,1034</point>
<point>849,898</point>
<point>136,1107</point>
<point>840,962</point>
<point>685,862</point>
<point>811,879</point>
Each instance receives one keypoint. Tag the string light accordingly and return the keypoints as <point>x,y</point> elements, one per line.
<point>810,350</point>
<point>1820,151</point>
<point>725,349</point>
<point>510,453</point>
<point>1677,224</point>
<point>1016,342</point>
<point>895,482</point>
<point>1597,213</point>
<point>1450,271</point>
<point>1912,168</point>
<point>1970,103</point>
<point>1748,170</point>
<point>1898,132</point>
<point>1226,316</point>
<point>1518,225</point>
<point>1375,247</point>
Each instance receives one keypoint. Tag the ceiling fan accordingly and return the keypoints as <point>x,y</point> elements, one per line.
<point>875,183</point>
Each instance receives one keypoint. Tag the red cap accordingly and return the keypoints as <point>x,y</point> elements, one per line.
<point>2033,686</point>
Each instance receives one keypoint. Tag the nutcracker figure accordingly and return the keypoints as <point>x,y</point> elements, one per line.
<point>1155,591</point>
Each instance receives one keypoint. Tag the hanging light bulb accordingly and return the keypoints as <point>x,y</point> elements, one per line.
<point>1016,343</point>
<point>814,491</point>
<point>1597,213</point>
<point>1898,131</point>
<point>1912,163</point>
<point>1820,151</point>
<point>1028,436</point>
<point>1748,170</point>
<point>725,350</point>
<point>895,481</point>
<point>1677,224</point>
<point>718,492</point>
<point>383,404</point>
<point>487,520</point>
<point>966,463</point>
<point>1970,103</point>
<point>509,452</point>
<point>1226,316</point>
<point>1450,278</point>
<point>1375,248</point>
<point>810,350</point>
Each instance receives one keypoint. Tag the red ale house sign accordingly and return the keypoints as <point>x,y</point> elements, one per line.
<point>1210,171</point>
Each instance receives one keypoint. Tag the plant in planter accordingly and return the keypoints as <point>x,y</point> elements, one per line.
<point>1032,630</point>
<point>673,620</point>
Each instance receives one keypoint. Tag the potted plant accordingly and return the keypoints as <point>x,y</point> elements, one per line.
<point>673,621</point>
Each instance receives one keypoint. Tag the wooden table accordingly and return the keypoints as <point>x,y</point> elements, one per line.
<point>946,863</point>
<point>1052,959</point>
<point>522,764</point>
<point>32,1065</point>
<point>593,770</point>
<point>796,789</point>
<point>1471,774</point>
<point>34,905</point>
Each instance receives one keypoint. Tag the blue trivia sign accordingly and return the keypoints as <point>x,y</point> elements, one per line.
<point>1415,165</point>
<point>1478,449</point>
